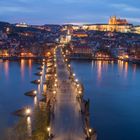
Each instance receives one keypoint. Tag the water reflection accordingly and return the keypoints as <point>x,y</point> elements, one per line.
<point>39,88</point>
<point>109,99</point>
<point>134,70</point>
<point>22,68</point>
<point>35,101</point>
<point>125,69</point>
<point>92,64</point>
<point>99,70</point>
<point>6,69</point>
<point>29,126</point>
<point>30,66</point>
<point>120,65</point>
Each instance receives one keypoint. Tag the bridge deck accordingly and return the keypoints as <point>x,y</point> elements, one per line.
<point>67,123</point>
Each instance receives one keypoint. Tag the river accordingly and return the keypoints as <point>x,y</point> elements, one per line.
<point>15,80</point>
<point>114,93</point>
<point>113,90</point>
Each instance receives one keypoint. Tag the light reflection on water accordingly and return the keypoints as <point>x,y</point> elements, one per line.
<point>35,101</point>
<point>29,126</point>
<point>22,63</point>
<point>6,69</point>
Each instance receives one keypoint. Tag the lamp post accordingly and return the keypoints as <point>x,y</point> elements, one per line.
<point>90,132</point>
<point>49,131</point>
<point>35,92</point>
<point>28,112</point>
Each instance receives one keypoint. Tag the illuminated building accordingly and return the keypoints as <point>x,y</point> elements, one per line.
<point>65,38</point>
<point>80,34</point>
<point>81,50</point>
<point>114,24</point>
<point>22,24</point>
<point>114,21</point>
<point>136,29</point>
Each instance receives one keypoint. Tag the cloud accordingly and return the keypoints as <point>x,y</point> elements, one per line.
<point>136,20</point>
<point>125,7</point>
<point>15,9</point>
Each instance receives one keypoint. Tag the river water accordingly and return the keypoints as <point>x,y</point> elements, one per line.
<point>113,90</point>
<point>15,80</point>
<point>114,93</point>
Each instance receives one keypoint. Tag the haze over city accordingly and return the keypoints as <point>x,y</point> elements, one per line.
<point>68,11</point>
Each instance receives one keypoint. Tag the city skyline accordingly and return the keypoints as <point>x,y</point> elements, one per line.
<point>68,11</point>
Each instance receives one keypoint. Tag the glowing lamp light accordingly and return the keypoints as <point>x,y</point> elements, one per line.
<point>90,130</point>
<point>48,129</point>
<point>73,74</point>
<point>54,92</point>
<point>38,80</point>
<point>28,111</point>
<point>35,92</point>
<point>76,80</point>
<point>78,85</point>
<point>80,92</point>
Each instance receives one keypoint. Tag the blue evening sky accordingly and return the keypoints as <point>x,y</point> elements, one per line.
<point>68,11</point>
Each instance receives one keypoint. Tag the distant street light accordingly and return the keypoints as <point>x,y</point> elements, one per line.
<point>35,92</point>
<point>78,85</point>
<point>49,130</point>
<point>28,111</point>
<point>73,74</point>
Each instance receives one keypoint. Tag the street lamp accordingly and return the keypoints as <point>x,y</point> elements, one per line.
<point>80,92</point>
<point>78,85</point>
<point>54,92</point>
<point>35,92</point>
<point>73,74</point>
<point>49,130</point>
<point>76,80</point>
<point>90,130</point>
<point>28,111</point>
